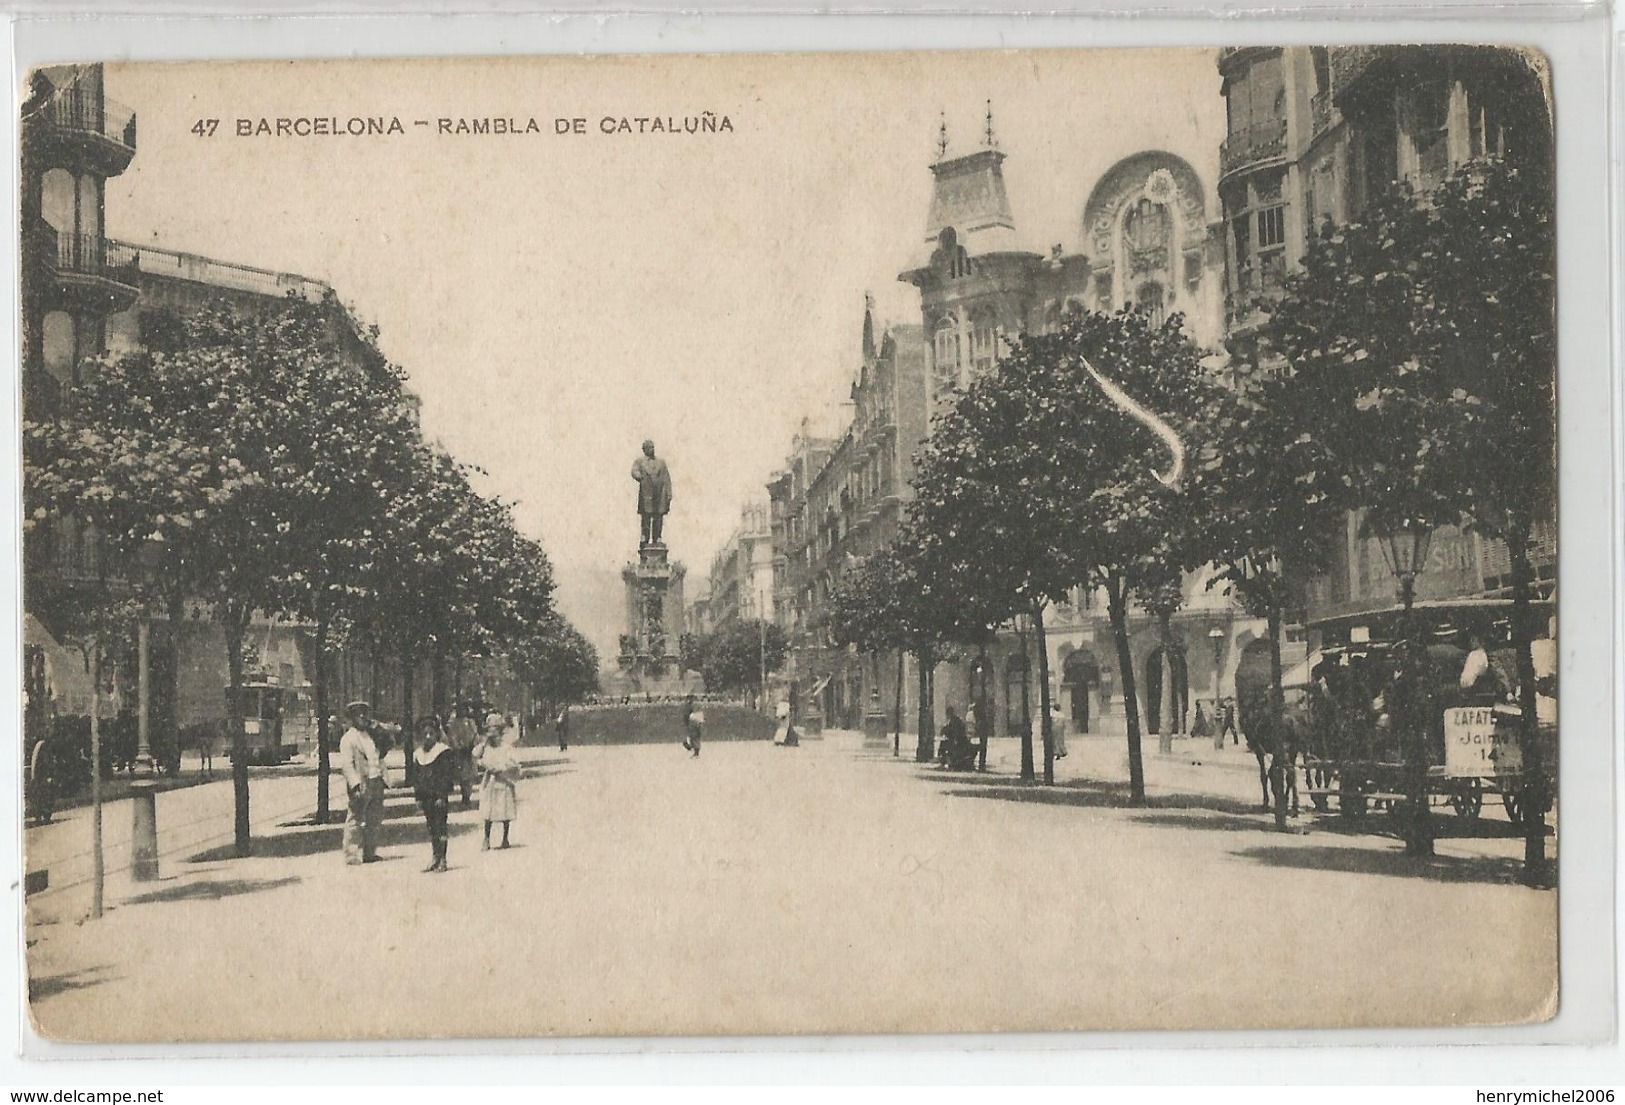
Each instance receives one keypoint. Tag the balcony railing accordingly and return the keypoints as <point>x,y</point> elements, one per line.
<point>1253,144</point>
<point>86,255</point>
<point>85,112</point>
<point>219,274</point>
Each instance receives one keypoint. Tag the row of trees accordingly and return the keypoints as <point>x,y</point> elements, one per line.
<point>1406,375</point>
<point>272,462</point>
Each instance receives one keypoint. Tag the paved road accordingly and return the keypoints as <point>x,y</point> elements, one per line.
<point>822,889</point>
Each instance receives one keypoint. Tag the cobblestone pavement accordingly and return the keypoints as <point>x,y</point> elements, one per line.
<point>827,889</point>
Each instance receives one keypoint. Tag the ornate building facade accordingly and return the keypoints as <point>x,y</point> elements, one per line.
<point>1147,240</point>
<point>1314,132</point>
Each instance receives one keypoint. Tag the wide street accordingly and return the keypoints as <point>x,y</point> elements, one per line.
<point>823,889</point>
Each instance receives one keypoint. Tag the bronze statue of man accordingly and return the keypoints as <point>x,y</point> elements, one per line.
<point>654,492</point>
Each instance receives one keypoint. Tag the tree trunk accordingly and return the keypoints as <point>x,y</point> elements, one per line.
<point>1535,797</point>
<point>172,675</point>
<point>897,712</point>
<point>98,864</point>
<point>1165,728</point>
<point>1282,756</point>
<point>1047,723</point>
<point>1117,607</point>
<point>236,630</point>
<point>1028,774</point>
<point>437,673</point>
<point>984,723</point>
<point>324,729</point>
<point>408,664</point>
<point>926,740</point>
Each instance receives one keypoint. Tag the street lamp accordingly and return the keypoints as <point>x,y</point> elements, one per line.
<point>1215,637</point>
<point>1405,546</point>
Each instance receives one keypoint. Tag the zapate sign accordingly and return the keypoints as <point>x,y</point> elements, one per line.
<point>1473,748</point>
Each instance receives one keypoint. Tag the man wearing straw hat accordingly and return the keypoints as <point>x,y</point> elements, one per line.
<point>363,771</point>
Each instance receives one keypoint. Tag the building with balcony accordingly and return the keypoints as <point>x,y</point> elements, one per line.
<point>1352,122</point>
<point>1147,240</point>
<point>73,138</point>
<point>842,500</point>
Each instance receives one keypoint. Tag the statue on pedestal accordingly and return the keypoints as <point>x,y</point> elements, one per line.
<point>654,493</point>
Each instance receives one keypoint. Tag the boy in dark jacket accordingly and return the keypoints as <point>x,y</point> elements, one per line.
<point>436,775</point>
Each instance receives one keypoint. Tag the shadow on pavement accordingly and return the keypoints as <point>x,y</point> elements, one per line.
<point>1087,794</point>
<point>328,838</point>
<point>210,889</point>
<point>1389,861</point>
<point>50,985</point>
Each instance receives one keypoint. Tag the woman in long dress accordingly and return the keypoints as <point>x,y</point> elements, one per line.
<point>499,774</point>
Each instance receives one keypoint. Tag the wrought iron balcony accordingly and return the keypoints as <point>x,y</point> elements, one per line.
<point>1254,144</point>
<point>99,128</point>
<point>85,268</point>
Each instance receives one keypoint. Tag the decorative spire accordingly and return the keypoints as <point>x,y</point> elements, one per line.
<point>942,137</point>
<point>992,143</point>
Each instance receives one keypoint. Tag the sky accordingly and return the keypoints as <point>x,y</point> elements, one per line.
<point>556,299</point>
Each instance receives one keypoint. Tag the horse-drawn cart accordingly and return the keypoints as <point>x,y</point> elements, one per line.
<point>1482,758</point>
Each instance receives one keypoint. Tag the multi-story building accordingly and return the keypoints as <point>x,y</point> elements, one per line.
<point>1146,241</point>
<point>1314,132</point>
<point>741,584</point>
<point>843,501</point>
<point>83,296</point>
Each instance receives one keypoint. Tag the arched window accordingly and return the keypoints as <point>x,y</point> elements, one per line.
<point>945,354</point>
<point>56,201</point>
<point>90,207</point>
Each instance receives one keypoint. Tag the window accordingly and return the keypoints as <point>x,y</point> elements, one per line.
<point>1258,234</point>
<point>1149,298</point>
<point>60,352</point>
<point>1322,65</point>
<point>1428,121</point>
<point>945,355</point>
<point>983,345</point>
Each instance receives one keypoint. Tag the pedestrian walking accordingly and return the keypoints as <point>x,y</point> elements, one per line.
<point>693,725</point>
<point>463,735</point>
<point>435,777</point>
<point>499,767</point>
<point>1057,729</point>
<point>1228,724</point>
<point>363,771</point>
<point>561,726</point>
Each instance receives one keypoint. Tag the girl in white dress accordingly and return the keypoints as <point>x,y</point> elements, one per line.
<point>499,776</point>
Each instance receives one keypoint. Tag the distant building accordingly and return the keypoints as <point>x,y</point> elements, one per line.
<point>1314,132</point>
<point>844,500</point>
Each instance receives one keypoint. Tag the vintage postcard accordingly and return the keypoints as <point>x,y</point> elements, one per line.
<point>976,541</point>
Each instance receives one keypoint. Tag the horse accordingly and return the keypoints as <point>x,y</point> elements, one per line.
<point>1276,741</point>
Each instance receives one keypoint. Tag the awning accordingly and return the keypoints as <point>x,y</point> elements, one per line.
<point>1299,674</point>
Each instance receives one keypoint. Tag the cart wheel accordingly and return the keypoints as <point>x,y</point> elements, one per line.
<point>1467,799</point>
<point>1513,801</point>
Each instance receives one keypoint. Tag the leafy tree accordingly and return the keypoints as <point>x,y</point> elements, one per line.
<point>737,652</point>
<point>1424,331</point>
<point>980,521</point>
<point>1271,513</point>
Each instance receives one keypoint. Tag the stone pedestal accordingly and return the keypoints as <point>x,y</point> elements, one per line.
<point>654,618</point>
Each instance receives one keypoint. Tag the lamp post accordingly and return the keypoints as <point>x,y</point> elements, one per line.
<point>1215,637</point>
<point>1405,547</point>
<point>143,791</point>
